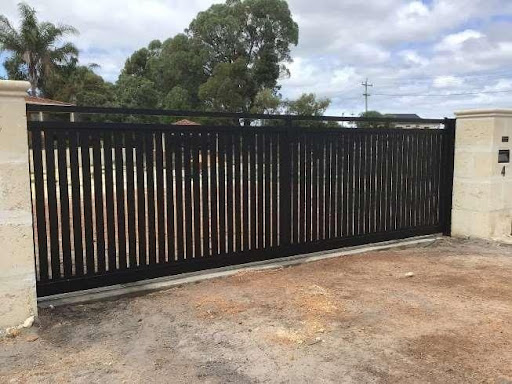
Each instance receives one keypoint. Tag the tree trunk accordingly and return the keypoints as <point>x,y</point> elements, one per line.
<point>33,89</point>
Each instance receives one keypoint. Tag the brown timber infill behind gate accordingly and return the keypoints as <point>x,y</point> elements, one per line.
<point>120,202</point>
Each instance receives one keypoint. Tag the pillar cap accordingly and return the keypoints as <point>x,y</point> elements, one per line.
<point>482,113</point>
<point>14,87</point>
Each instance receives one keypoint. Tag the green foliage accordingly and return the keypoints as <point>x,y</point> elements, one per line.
<point>228,88</point>
<point>267,102</point>
<point>35,48</point>
<point>178,99</point>
<point>78,85</point>
<point>230,53</point>
<point>385,121</point>
<point>136,92</point>
<point>308,105</point>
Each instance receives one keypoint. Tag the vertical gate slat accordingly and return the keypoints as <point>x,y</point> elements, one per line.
<point>109,201</point>
<point>85,145</point>
<point>214,183</point>
<point>253,191</point>
<point>130,199</point>
<point>365,222</point>
<point>339,185</point>
<point>400,170</point>
<point>384,175</point>
<point>40,204</point>
<point>332,198</point>
<point>245,189</point>
<point>238,198</point>
<point>308,160</point>
<point>150,180</point>
<point>416,181</point>
<point>261,207</point>
<point>406,177</point>
<point>65,218</point>
<point>52,203</point>
<point>419,178</point>
<point>196,180</point>
<point>168,141</point>
<point>76,203</point>
<point>98,202</point>
<point>394,184</point>
<point>358,206</point>
<point>160,193</point>
<point>345,139</point>
<point>321,186</point>
<point>435,168</point>
<point>344,167</point>
<point>372,194</point>
<point>275,190</point>
<point>365,169</point>
<point>327,213</point>
<point>302,185</point>
<point>178,140</point>
<point>222,193</point>
<point>187,165</point>
<point>293,222</point>
<point>428,177</point>
<point>378,183</point>
<point>119,143</point>
<point>425,173</point>
<point>205,204</point>
<point>141,198</point>
<point>230,193</point>
<point>314,181</point>
<point>268,190</point>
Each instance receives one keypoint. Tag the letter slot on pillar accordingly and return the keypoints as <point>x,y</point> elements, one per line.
<point>504,156</point>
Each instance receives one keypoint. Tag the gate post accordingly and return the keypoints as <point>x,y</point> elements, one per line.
<point>17,272</point>
<point>482,190</point>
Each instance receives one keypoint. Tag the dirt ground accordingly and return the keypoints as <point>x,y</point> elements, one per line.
<point>353,319</point>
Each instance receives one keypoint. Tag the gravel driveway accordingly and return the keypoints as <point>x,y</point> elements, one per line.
<point>354,319</point>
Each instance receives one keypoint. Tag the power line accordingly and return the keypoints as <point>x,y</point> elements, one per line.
<point>500,73</point>
<point>366,94</point>
<point>440,95</point>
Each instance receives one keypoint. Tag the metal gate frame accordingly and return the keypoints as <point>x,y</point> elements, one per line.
<point>284,155</point>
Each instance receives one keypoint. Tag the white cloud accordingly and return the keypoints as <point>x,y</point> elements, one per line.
<point>456,40</point>
<point>402,46</point>
<point>447,82</point>
<point>413,58</point>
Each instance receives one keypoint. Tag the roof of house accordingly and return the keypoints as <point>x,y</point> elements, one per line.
<point>403,115</point>
<point>43,101</point>
<point>186,122</point>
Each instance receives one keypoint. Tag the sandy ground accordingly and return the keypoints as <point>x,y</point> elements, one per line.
<point>354,319</point>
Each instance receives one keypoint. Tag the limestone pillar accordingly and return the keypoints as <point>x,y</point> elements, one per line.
<point>17,273</point>
<point>482,190</point>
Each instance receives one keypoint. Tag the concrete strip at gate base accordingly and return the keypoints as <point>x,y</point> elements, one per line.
<point>482,190</point>
<point>162,283</point>
<point>17,272</point>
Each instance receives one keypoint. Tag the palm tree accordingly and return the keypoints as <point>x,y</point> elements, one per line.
<point>35,46</point>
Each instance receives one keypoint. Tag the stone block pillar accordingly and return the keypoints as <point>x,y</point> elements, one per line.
<point>482,190</point>
<point>17,273</point>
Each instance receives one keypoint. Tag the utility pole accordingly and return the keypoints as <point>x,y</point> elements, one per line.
<point>366,94</point>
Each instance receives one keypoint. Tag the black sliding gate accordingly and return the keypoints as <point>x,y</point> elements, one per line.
<point>118,202</point>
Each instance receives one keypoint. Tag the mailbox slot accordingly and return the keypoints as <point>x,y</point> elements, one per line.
<point>504,156</point>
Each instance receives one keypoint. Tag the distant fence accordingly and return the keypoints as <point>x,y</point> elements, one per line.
<point>118,202</point>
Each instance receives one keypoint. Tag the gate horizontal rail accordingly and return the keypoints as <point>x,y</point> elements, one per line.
<point>116,202</point>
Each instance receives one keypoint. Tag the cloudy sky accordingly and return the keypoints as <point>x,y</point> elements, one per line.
<point>430,57</point>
